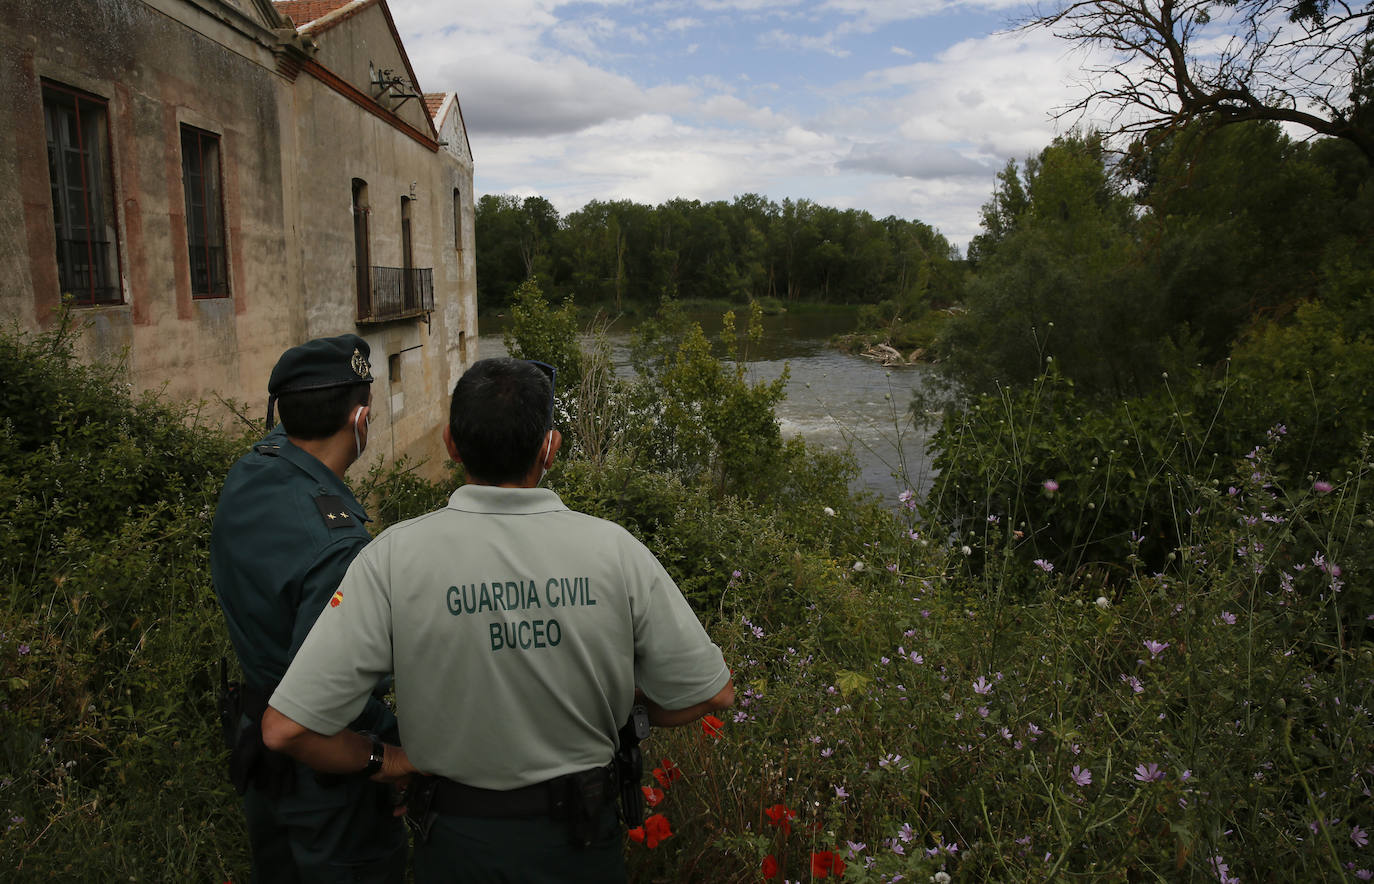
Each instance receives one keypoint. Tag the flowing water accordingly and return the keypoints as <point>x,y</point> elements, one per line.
<point>833,399</point>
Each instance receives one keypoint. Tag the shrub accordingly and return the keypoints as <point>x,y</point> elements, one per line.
<point>110,633</point>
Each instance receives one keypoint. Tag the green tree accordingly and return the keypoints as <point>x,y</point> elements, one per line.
<point>538,331</point>
<point>1236,220</point>
<point>500,267</point>
<point>1061,283</point>
<point>1002,213</point>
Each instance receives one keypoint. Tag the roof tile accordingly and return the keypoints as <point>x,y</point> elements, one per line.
<point>302,12</point>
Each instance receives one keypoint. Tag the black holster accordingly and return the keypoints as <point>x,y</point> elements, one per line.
<point>629,766</point>
<point>250,761</point>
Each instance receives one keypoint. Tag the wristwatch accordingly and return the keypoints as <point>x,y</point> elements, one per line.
<point>375,759</point>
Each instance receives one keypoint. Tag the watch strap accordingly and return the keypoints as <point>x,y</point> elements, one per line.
<point>375,758</point>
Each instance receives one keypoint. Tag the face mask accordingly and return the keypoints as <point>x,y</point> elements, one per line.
<point>357,439</point>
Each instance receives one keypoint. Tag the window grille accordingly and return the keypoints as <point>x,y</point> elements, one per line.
<point>201,180</point>
<point>82,195</point>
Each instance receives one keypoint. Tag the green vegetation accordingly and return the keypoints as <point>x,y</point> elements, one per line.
<point>624,257</point>
<point>1028,682</point>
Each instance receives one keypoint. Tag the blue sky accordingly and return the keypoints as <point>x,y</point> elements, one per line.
<point>898,108</point>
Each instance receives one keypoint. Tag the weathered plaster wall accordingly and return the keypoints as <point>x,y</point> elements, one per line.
<point>290,149</point>
<point>156,74</point>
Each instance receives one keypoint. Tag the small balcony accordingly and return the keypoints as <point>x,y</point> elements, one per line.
<point>397,293</point>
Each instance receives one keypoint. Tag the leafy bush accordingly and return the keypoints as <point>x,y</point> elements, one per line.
<point>110,635</point>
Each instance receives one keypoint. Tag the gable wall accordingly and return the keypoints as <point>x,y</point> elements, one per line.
<point>349,47</point>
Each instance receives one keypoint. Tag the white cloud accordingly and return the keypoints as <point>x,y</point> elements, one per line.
<point>994,94</point>
<point>584,36</point>
<point>921,139</point>
<point>912,159</point>
<point>786,40</point>
<point>510,94</point>
<point>747,5</point>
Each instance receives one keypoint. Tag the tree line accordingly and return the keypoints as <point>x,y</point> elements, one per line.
<point>622,254</point>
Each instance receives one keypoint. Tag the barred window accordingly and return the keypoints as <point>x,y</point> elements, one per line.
<point>200,175</point>
<point>77,129</point>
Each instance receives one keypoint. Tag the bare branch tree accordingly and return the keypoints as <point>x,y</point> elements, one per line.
<point>1304,62</point>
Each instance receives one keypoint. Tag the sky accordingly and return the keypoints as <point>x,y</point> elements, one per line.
<point>896,107</point>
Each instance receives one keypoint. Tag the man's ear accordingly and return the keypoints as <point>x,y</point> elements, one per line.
<point>450,447</point>
<point>555,443</point>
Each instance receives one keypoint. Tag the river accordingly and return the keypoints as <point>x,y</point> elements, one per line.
<point>833,399</point>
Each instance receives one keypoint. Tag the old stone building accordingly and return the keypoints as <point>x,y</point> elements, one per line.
<point>208,182</point>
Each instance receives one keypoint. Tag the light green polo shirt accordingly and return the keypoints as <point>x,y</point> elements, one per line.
<point>517,630</point>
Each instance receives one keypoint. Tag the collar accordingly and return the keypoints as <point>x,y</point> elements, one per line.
<point>494,500</point>
<point>277,444</point>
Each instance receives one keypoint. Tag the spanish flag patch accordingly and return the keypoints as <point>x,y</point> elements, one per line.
<point>337,599</point>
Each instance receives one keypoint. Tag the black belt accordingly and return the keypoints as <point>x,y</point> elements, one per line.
<point>557,798</point>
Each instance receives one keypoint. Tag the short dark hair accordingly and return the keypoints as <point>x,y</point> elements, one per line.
<point>498,417</point>
<point>319,414</point>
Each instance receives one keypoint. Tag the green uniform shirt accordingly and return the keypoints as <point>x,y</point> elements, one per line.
<point>285,531</point>
<point>517,630</point>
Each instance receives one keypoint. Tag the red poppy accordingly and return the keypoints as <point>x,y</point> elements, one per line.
<point>712,726</point>
<point>769,867</point>
<point>667,774</point>
<point>781,816</point>
<point>652,796</point>
<point>825,863</point>
<point>636,834</point>
<point>656,830</point>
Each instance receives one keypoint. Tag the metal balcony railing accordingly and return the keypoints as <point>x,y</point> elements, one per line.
<point>397,293</point>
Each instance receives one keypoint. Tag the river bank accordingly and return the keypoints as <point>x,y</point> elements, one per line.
<point>836,399</point>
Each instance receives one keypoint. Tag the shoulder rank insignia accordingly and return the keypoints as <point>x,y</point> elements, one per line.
<point>334,512</point>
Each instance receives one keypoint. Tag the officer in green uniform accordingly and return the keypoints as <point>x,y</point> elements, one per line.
<point>285,531</point>
<point>519,632</point>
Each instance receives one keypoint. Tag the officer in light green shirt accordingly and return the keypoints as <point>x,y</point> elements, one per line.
<point>519,632</point>
<point>285,531</point>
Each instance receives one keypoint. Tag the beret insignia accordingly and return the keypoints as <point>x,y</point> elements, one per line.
<point>360,366</point>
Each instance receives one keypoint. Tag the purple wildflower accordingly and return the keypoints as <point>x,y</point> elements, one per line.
<point>1081,776</point>
<point>1148,773</point>
<point>1155,648</point>
<point>1051,486</point>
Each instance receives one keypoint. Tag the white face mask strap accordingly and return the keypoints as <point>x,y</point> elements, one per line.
<point>543,470</point>
<point>357,440</point>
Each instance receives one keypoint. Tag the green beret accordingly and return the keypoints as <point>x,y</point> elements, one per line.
<point>323,362</point>
<point>315,365</point>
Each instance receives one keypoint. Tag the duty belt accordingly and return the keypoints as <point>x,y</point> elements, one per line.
<point>564,797</point>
